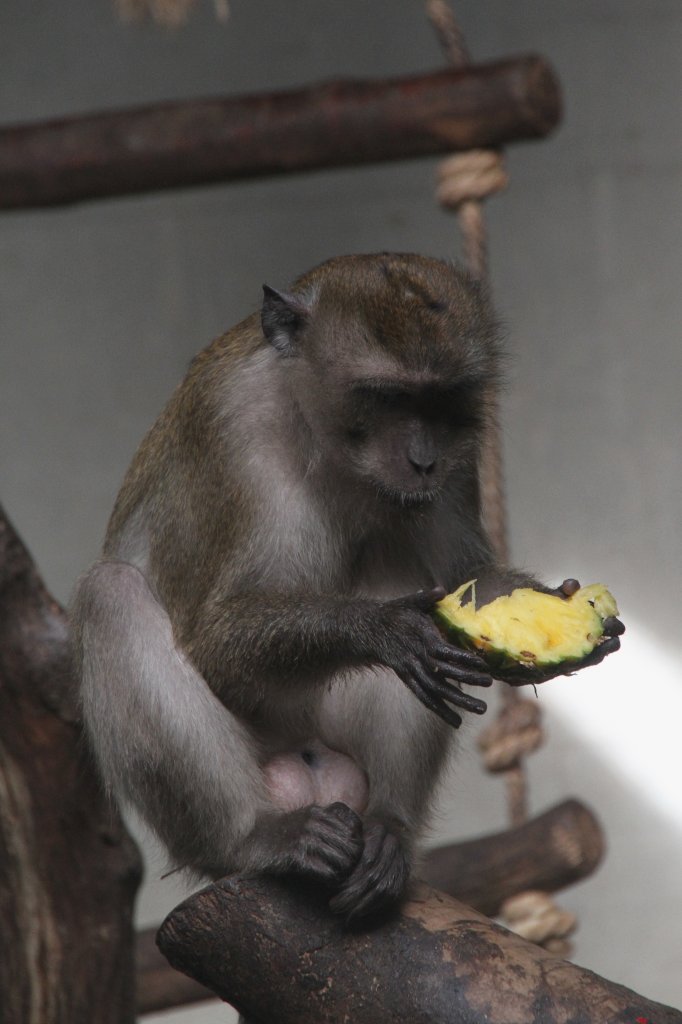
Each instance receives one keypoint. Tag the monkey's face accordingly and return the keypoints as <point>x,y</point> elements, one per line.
<point>401,436</point>
<point>405,439</point>
<point>390,358</point>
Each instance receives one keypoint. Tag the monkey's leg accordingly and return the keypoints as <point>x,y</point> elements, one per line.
<point>166,743</point>
<point>402,748</point>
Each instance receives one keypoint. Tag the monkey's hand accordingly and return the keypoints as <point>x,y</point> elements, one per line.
<point>407,641</point>
<point>609,642</point>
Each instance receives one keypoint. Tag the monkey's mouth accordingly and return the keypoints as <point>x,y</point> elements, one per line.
<point>413,498</point>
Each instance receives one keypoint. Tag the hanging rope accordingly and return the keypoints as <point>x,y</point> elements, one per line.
<point>463,182</point>
<point>535,916</point>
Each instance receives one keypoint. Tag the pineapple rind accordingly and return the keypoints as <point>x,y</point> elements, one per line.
<point>528,627</point>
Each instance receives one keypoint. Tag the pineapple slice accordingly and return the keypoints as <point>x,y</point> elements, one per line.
<point>527,627</point>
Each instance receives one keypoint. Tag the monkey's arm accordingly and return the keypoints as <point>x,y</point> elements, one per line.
<point>250,645</point>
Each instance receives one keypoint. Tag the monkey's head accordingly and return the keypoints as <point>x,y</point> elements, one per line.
<point>390,360</point>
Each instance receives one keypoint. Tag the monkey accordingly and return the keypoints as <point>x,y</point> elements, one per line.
<point>260,672</point>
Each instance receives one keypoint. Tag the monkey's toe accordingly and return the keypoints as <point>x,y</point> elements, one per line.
<point>380,878</point>
<point>331,843</point>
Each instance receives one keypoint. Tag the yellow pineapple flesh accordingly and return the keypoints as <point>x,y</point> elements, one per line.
<point>527,627</point>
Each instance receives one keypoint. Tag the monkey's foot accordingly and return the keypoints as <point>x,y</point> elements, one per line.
<point>380,877</point>
<point>329,844</point>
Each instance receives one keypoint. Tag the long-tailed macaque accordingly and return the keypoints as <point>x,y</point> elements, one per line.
<point>261,676</point>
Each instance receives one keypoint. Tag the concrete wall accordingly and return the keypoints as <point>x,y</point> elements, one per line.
<point>102,305</point>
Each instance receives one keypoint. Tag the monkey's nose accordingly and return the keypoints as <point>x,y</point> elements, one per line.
<point>424,466</point>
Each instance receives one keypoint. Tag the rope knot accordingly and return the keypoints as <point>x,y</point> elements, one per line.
<point>516,732</point>
<point>535,917</point>
<point>473,175</point>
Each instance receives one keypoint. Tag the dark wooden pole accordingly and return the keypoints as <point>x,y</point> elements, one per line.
<point>559,847</point>
<point>68,869</point>
<point>273,950</point>
<point>331,125</point>
<point>550,852</point>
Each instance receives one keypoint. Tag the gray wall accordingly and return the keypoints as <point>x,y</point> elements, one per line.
<point>102,306</point>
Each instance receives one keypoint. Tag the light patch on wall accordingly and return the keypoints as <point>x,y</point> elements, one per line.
<point>630,708</point>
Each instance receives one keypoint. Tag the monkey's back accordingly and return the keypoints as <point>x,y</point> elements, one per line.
<point>164,519</point>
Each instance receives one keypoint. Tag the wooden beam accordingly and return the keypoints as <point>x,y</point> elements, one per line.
<point>272,949</point>
<point>550,852</point>
<point>559,847</point>
<point>331,125</point>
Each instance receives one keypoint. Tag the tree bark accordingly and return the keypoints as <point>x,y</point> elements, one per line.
<point>550,852</point>
<point>557,848</point>
<point>332,125</point>
<point>273,950</point>
<point>68,869</point>
<point>160,986</point>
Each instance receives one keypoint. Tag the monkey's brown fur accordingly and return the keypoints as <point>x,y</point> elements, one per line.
<point>261,676</point>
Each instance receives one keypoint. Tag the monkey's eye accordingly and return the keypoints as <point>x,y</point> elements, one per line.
<point>461,419</point>
<point>356,432</point>
<point>460,409</point>
<point>381,395</point>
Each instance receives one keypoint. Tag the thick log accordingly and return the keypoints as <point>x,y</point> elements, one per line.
<point>159,986</point>
<point>68,869</point>
<point>330,125</point>
<point>276,953</point>
<point>559,847</point>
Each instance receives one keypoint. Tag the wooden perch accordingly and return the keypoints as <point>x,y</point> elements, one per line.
<point>559,847</point>
<point>68,869</point>
<point>275,952</point>
<point>159,986</point>
<point>548,853</point>
<point>331,125</point>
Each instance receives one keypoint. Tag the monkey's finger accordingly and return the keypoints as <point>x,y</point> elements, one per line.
<point>441,689</point>
<point>419,682</point>
<point>465,672</point>
<point>424,600</point>
<point>378,880</point>
<point>447,691</point>
<point>462,675</point>
<point>438,706</point>
<point>526,676</point>
<point>450,653</point>
<point>569,587</point>
<point>598,654</point>
<point>337,851</point>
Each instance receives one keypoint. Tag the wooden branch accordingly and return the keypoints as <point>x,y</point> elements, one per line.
<point>68,869</point>
<point>561,846</point>
<point>275,952</point>
<point>331,125</point>
<point>159,986</point>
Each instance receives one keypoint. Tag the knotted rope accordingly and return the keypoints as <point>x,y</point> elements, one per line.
<point>463,182</point>
<point>535,916</point>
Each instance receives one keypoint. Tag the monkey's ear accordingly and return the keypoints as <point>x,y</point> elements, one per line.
<point>282,316</point>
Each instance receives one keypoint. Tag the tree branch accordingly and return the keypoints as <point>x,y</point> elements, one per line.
<point>331,125</point>
<point>559,847</point>
<point>68,869</point>
<point>553,850</point>
<point>273,950</point>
